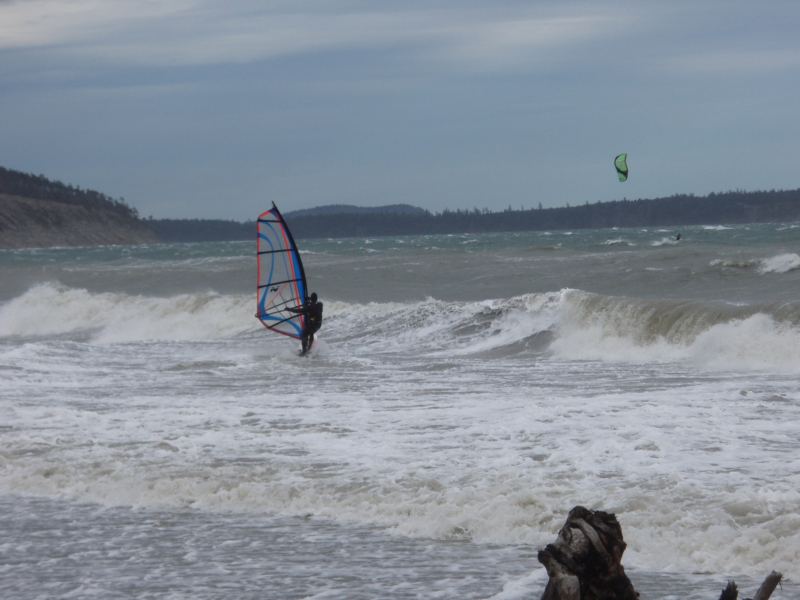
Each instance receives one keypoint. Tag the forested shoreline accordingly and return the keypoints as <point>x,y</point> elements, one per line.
<point>727,207</point>
<point>39,212</point>
<point>36,211</point>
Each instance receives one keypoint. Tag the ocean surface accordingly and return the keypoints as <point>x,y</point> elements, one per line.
<point>465,393</point>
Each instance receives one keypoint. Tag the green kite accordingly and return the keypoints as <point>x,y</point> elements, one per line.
<point>621,164</point>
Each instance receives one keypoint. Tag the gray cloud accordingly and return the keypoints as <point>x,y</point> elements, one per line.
<point>190,32</point>
<point>738,61</point>
<point>195,106</point>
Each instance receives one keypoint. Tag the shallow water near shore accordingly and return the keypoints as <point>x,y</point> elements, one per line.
<point>466,392</point>
<point>92,552</point>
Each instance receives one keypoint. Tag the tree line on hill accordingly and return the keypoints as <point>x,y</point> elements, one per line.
<point>347,221</point>
<point>727,207</point>
<point>27,185</point>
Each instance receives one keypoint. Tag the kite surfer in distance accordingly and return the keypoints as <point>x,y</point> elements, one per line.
<point>678,237</point>
<point>312,311</point>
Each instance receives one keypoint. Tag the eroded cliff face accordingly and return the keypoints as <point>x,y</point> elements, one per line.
<point>34,223</point>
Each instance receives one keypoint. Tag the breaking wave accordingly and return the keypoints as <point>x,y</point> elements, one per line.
<point>495,466</point>
<point>665,241</point>
<point>576,325</point>
<point>618,242</point>
<point>782,263</point>
<point>594,327</point>
<point>732,263</point>
<point>51,309</point>
<point>568,324</point>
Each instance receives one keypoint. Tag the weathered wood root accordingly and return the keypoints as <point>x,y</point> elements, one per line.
<point>769,585</point>
<point>585,562</point>
<point>763,593</point>
<point>731,592</point>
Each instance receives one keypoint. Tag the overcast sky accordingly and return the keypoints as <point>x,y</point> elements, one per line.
<point>194,108</point>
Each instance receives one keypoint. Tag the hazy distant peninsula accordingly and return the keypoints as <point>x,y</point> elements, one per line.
<point>38,212</point>
<point>728,207</point>
<point>35,211</point>
<point>350,221</point>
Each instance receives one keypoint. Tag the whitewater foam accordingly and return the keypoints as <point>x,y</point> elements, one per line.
<point>664,241</point>
<point>570,323</point>
<point>479,416</point>
<point>50,309</point>
<point>782,263</point>
<point>576,325</point>
<point>617,329</point>
<point>404,458</point>
<point>732,263</point>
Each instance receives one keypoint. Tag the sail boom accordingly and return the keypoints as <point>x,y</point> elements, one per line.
<point>271,251</point>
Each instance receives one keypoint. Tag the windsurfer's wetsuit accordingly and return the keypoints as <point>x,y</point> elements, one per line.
<point>312,311</point>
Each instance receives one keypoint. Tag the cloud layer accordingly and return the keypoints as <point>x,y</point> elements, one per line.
<point>178,104</point>
<point>191,32</point>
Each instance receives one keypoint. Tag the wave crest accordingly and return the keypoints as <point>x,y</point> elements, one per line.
<point>52,309</point>
<point>569,324</point>
<point>782,263</point>
<point>594,327</point>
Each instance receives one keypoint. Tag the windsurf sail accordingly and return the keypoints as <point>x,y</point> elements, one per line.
<point>281,279</point>
<point>621,164</point>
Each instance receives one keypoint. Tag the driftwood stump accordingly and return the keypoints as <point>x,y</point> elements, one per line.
<point>764,592</point>
<point>585,562</point>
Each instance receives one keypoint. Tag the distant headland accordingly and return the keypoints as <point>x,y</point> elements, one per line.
<point>38,212</point>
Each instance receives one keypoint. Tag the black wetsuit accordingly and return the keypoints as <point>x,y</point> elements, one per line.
<point>312,311</point>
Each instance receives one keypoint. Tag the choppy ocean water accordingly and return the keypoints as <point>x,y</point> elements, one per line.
<point>466,392</point>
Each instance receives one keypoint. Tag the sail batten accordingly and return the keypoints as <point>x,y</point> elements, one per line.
<point>281,279</point>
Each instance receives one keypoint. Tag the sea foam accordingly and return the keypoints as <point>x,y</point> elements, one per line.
<point>50,309</point>
<point>782,263</point>
<point>570,324</point>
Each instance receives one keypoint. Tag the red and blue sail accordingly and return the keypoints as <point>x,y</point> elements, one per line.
<point>281,279</point>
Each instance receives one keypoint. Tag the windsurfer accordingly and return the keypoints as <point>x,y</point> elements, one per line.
<point>312,311</point>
